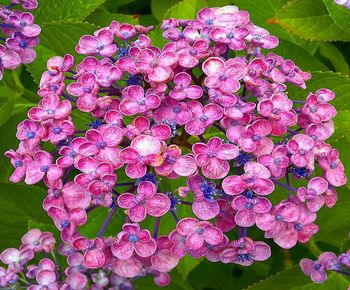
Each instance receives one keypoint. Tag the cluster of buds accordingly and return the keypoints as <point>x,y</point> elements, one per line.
<point>49,273</point>
<point>345,3</point>
<point>327,261</point>
<point>21,34</point>
<point>222,124</point>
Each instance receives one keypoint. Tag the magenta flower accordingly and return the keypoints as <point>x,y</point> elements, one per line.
<point>135,101</point>
<point>245,251</point>
<point>91,170</point>
<point>163,260</point>
<point>178,247</point>
<point>248,208</point>
<point>224,75</point>
<point>313,194</point>
<point>8,59</point>
<point>25,24</point>
<point>189,56</point>
<point>58,130</point>
<point>40,167</point>
<point>173,111</point>
<point>204,205</point>
<point>99,44</point>
<point>254,138</point>
<point>27,4</point>
<point>212,157</point>
<point>334,169</point>
<point>75,196</point>
<point>158,68</point>
<point>318,111</point>
<point>275,221</point>
<point>46,279</point>
<point>76,281</point>
<point>317,269</point>
<point>142,125</point>
<point>277,161</point>
<point>176,164</point>
<point>20,162</point>
<point>30,133</point>
<point>255,178</point>
<point>300,146</point>
<point>202,117</point>
<point>144,150</point>
<point>133,239</point>
<point>198,232</point>
<point>225,220</point>
<point>16,258</point>
<point>261,37</point>
<point>300,231</point>
<point>23,46</point>
<point>67,221</point>
<point>234,39</point>
<point>70,154</point>
<point>279,110</point>
<point>146,201</point>
<point>50,107</point>
<point>94,257</point>
<point>75,264</point>
<point>58,64</point>
<point>184,89</point>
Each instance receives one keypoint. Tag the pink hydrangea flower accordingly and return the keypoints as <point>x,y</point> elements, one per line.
<point>224,75</point>
<point>248,208</point>
<point>202,117</point>
<point>173,111</point>
<point>158,68</point>
<point>135,101</point>
<point>334,169</point>
<point>277,161</point>
<point>204,205</point>
<point>144,150</point>
<point>198,232</point>
<point>317,270</point>
<point>225,220</point>
<point>133,239</point>
<point>142,125</point>
<point>101,43</point>
<point>275,221</point>
<point>255,178</point>
<point>146,201</point>
<point>212,157</point>
<point>245,251</point>
<point>94,257</point>
<point>313,194</point>
<point>300,146</point>
<point>184,89</point>
<point>176,164</point>
<point>254,138</point>
<point>279,110</point>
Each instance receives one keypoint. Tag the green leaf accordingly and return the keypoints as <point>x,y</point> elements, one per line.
<point>218,3</point>
<point>340,14</point>
<point>102,18</point>
<point>333,54</point>
<point>160,7</point>
<point>37,67</point>
<point>262,13</point>
<point>62,37</point>
<point>156,36</point>
<point>299,55</point>
<point>6,109</point>
<point>19,204</point>
<point>186,265</point>
<point>65,10</point>
<point>293,278</point>
<point>310,20</point>
<point>186,9</point>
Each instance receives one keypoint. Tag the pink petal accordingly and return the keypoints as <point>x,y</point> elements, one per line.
<point>205,210</point>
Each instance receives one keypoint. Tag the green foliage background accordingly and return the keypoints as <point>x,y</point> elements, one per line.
<point>314,33</point>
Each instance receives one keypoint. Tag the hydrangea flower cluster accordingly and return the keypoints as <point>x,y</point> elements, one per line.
<point>36,265</point>
<point>345,3</point>
<point>209,109</point>
<point>327,261</point>
<point>20,34</point>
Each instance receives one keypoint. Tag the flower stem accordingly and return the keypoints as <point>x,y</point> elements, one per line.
<point>108,219</point>
<point>156,228</point>
<point>174,216</point>
<point>285,186</point>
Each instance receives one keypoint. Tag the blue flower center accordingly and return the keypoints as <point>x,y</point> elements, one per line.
<point>44,168</point>
<point>170,159</point>
<point>209,190</point>
<point>278,218</point>
<point>133,238</point>
<point>256,138</point>
<point>242,159</point>
<point>18,163</point>
<point>244,257</point>
<point>209,22</point>
<point>176,110</point>
<point>299,172</point>
<point>65,224</point>
<point>23,44</point>
<point>30,134</point>
<point>203,118</point>
<point>56,130</point>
